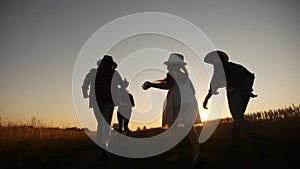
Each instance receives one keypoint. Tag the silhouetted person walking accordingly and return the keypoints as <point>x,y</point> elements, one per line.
<point>180,97</point>
<point>238,82</point>
<point>107,96</point>
<point>125,107</point>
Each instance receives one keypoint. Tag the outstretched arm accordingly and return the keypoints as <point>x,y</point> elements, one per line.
<point>162,85</point>
<point>206,99</point>
<point>214,85</point>
<point>86,83</point>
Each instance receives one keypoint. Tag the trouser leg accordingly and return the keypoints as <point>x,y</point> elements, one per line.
<point>126,122</point>
<point>193,138</point>
<point>106,112</point>
<point>99,123</point>
<point>234,137</point>
<point>125,112</point>
<point>120,121</point>
<point>237,104</point>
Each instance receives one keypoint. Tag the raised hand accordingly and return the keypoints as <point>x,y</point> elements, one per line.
<point>85,95</point>
<point>146,85</point>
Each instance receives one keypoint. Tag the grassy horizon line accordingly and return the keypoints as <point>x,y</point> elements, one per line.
<point>291,111</point>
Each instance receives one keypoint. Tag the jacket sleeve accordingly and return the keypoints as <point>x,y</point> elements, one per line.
<point>86,82</point>
<point>218,81</point>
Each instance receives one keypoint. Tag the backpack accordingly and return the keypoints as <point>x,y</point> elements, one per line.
<point>238,77</point>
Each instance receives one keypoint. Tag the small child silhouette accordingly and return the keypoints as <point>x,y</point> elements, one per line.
<point>125,107</point>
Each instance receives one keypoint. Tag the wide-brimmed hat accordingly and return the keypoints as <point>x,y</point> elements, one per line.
<point>108,58</point>
<point>216,56</point>
<point>175,58</point>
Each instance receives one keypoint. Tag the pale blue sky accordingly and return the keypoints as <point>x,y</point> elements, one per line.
<point>40,41</point>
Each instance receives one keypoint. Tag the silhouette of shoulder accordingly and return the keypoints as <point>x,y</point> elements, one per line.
<point>94,70</point>
<point>236,68</point>
<point>89,79</point>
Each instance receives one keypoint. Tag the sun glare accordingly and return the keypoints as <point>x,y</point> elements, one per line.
<point>203,116</point>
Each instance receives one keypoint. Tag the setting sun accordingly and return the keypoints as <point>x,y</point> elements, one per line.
<point>204,116</point>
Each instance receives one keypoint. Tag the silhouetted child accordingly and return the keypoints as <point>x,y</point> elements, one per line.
<point>125,107</point>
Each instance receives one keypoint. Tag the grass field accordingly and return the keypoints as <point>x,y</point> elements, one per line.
<point>32,145</point>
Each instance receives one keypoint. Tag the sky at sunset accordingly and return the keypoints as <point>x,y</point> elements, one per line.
<point>41,41</point>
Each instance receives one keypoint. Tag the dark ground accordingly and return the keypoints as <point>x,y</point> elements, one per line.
<point>281,149</point>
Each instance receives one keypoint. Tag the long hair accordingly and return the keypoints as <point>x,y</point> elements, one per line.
<point>181,74</point>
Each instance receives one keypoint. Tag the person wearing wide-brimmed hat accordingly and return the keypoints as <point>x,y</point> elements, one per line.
<point>238,82</point>
<point>107,97</point>
<point>180,97</point>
